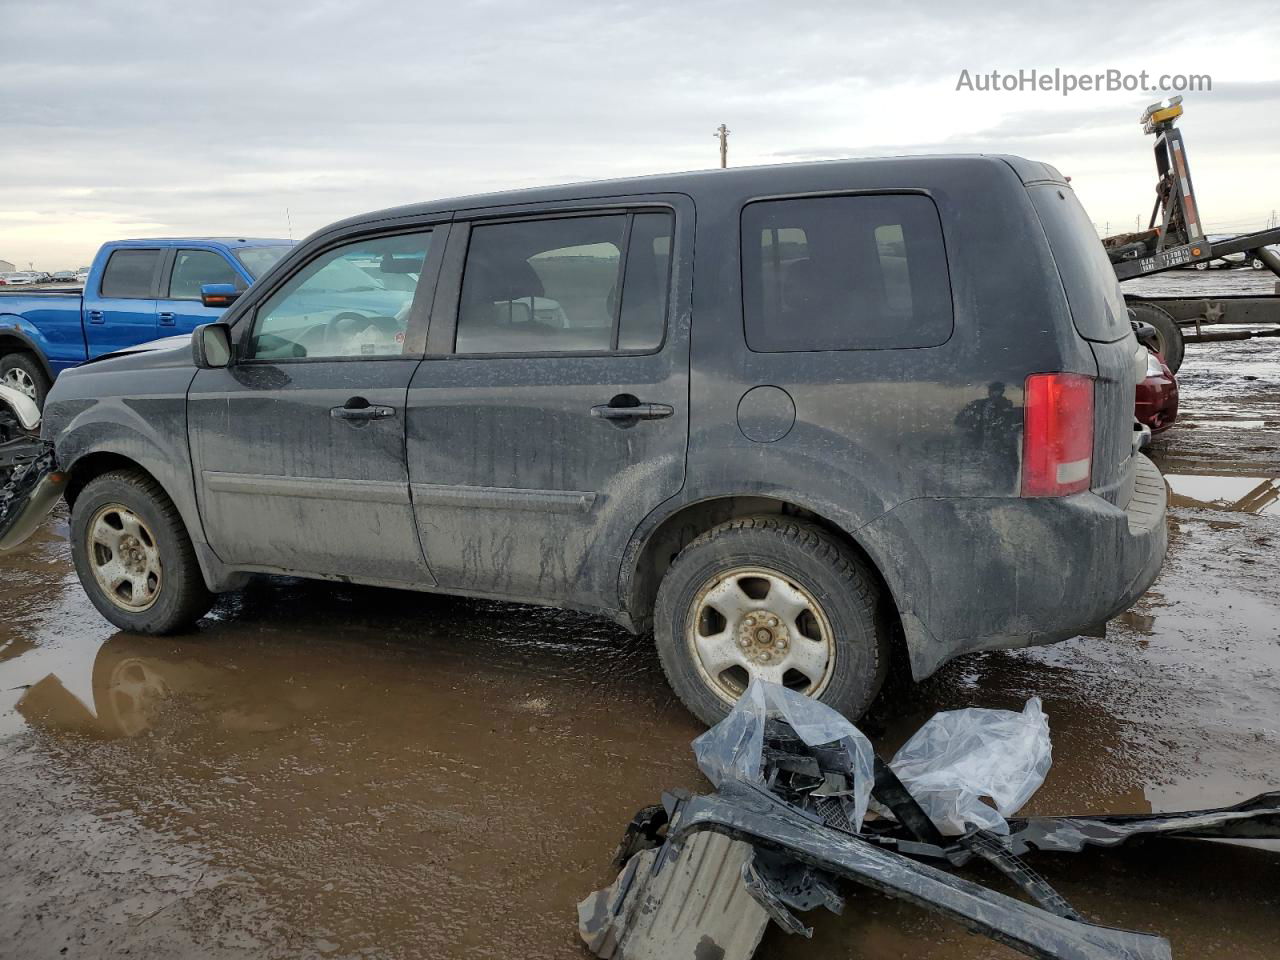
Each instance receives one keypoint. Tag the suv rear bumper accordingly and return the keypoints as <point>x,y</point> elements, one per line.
<point>994,573</point>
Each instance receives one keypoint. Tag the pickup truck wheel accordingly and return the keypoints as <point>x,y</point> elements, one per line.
<point>777,599</point>
<point>23,372</point>
<point>133,556</point>
<point>1169,333</point>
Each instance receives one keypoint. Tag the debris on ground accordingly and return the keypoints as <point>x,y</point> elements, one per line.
<point>802,800</point>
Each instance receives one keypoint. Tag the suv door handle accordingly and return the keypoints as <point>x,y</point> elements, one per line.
<point>167,318</point>
<point>637,411</point>
<point>95,316</point>
<point>361,411</point>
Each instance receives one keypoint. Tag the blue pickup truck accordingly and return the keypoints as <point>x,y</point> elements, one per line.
<point>137,290</point>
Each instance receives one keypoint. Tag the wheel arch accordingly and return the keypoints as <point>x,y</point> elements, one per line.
<point>14,340</point>
<point>655,547</point>
<point>90,466</point>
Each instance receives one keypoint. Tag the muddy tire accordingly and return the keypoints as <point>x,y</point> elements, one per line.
<point>777,598</point>
<point>1167,329</point>
<point>133,556</point>
<point>23,372</point>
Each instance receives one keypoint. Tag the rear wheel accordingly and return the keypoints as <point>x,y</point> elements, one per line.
<point>777,599</point>
<point>133,556</point>
<point>23,373</point>
<point>1167,330</point>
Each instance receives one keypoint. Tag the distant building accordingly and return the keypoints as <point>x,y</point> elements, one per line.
<point>7,267</point>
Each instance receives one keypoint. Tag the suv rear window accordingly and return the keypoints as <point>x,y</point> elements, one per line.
<point>844,273</point>
<point>1093,293</point>
<point>129,274</point>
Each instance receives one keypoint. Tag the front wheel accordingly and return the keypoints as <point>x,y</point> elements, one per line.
<point>773,598</point>
<point>133,556</point>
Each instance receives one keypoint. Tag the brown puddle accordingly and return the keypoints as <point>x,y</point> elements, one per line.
<point>325,771</point>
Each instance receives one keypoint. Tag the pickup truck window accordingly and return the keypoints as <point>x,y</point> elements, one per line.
<point>258,260</point>
<point>352,301</point>
<point>844,273</point>
<point>130,274</point>
<point>194,268</point>
<point>559,285</point>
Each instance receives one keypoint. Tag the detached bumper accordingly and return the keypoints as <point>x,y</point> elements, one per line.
<point>991,573</point>
<point>32,489</point>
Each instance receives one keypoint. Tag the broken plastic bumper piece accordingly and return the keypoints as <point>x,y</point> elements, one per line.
<point>786,818</point>
<point>32,487</point>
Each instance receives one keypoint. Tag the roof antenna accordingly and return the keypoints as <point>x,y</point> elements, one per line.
<point>289,219</point>
<point>722,134</point>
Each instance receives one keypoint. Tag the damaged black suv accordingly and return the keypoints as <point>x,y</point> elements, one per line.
<point>789,417</point>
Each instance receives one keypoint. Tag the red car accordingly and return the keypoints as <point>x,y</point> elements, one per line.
<point>1156,403</point>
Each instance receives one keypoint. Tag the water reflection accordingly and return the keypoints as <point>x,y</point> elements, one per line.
<point>1256,495</point>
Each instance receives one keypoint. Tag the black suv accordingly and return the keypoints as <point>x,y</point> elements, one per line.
<point>789,417</point>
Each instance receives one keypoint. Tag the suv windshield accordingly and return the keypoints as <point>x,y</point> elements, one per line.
<point>258,260</point>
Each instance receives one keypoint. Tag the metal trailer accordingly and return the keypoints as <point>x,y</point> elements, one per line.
<point>1175,238</point>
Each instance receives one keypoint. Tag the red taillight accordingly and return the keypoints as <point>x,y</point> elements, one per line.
<point>1057,434</point>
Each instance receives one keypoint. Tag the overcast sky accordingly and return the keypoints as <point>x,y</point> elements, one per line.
<point>147,119</point>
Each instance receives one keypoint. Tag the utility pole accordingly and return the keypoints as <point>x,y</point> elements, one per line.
<point>722,134</point>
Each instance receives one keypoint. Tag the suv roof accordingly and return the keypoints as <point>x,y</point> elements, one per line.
<point>767,178</point>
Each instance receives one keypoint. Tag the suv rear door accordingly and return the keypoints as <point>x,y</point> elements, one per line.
<point>550,415</point>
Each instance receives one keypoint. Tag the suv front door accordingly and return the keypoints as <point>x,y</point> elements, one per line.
<point>298,446</point>
<point>551,413</point>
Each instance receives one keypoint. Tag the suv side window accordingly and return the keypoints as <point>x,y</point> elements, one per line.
<point>194,268</point>
<point>351,301</point>
<point>844,273</point>
<point>129,274</point>
<point>585,284</point>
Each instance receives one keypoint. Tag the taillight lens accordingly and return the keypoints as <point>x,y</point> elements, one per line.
<point>1057,434</point>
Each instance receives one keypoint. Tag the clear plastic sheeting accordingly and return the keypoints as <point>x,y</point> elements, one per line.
<point>733,748</point>
<point>960,757</point>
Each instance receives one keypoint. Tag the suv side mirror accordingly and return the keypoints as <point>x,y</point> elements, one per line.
<point>219,294</point>
<point>211,346</point>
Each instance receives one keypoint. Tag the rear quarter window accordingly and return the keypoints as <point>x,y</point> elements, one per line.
<point>1093,293</point>
<point>130,274</point>
<point>844,273</point>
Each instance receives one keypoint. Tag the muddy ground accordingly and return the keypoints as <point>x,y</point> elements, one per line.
<point>324,771</point>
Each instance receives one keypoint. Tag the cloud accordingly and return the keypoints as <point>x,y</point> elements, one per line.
<point>243,117</point>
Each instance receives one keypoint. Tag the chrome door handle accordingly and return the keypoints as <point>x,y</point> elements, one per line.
<point>362,414</point>
<point>641,411</point>
<point>166,318</point>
